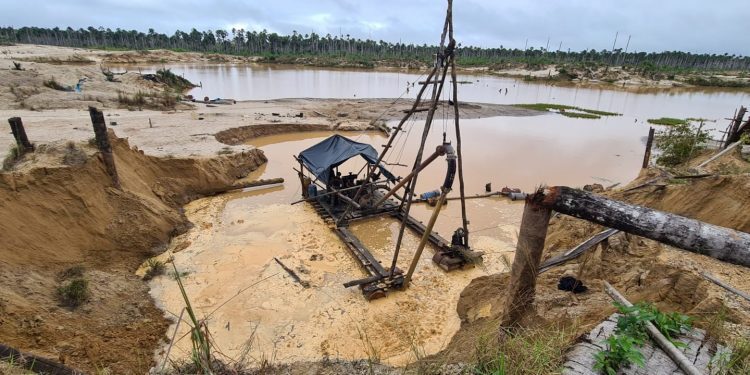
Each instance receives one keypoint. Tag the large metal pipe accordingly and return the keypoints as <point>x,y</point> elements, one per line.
<point>439,151</point>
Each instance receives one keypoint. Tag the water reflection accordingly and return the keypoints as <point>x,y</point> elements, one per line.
<point>258,82</point>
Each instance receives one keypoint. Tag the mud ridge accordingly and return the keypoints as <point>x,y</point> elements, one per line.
<point>57,216</point>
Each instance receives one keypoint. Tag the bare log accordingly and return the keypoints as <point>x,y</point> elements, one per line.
<point>688,234</point>
<point>675,354</point>
<point>529,248</point>
<point>102,143</point>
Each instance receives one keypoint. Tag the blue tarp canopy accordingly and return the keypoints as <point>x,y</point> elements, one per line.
<point>334,151</point>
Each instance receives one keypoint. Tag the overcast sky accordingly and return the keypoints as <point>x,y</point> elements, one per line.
<point>655,25</point>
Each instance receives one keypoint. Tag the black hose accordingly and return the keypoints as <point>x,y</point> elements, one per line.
<point>450,174</point>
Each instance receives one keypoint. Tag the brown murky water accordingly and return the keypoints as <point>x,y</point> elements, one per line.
<point>252,306</point>
<point>259,82</point>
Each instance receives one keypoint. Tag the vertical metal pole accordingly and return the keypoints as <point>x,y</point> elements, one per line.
<point>529,248</point>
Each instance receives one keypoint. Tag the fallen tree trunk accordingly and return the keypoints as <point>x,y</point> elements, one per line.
<point>689,234</point>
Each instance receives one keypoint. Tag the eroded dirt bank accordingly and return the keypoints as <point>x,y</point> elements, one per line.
<point>642,269</point>
<point>60,212</point>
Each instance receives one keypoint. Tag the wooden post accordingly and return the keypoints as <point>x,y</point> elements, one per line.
<point>522,285</point>
<point>734,134</point>
<point>102,143</point>
<point>649,144</point>
<point>688,234</point>
<point>19,133</point>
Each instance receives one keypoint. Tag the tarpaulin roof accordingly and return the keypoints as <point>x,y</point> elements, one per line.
<point>334,151</point>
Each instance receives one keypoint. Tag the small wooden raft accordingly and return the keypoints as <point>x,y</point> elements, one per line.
<point>580,359</point>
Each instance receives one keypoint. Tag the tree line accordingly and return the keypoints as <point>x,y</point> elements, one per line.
<point>263,43</point>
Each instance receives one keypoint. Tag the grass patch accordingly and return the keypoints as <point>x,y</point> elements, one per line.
<point>73,293</point>
<point>173,81</point>
<point>568,110</point>
<point>11,158</point>
<point>155,268</point>
<point>524,351</point>
<point>579,115</point>
<point>668,121</point>
<point>136,100</point>
<point>74,59</point>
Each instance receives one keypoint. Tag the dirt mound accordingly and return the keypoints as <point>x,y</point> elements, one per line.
<point>57,217</point>
<point>642,269</point>
<point>243,134</point>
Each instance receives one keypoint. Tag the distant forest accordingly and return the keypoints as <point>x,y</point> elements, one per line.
<point>273,45</point>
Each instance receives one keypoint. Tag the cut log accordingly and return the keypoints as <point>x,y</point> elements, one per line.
<point>522,285</point>
<point>688,234</point>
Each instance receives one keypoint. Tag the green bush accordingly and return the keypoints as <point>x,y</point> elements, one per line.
<point>679,143</point>
<point>74,292</point>
<point>630,334</point>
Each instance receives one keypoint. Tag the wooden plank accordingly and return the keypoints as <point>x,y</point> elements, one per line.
<point>578,250</point>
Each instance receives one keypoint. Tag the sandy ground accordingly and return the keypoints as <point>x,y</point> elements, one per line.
<point>233,245</point>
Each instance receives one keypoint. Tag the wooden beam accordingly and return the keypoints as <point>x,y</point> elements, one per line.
<point>523,273</point>
<point>688,234</point>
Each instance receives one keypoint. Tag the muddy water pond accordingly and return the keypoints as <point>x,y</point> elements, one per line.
<point>260,82</point>
<point>256,311</point>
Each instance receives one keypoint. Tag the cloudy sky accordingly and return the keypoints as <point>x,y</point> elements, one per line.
<point>655,25</point>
